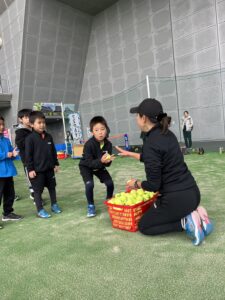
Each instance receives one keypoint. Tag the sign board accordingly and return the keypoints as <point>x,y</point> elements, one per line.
<point>75,127</point>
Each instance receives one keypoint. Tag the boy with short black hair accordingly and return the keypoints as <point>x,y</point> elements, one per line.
<point>7,171</point>
<point>42,163</point>
<point>23,130</point>
<point>96,156</point>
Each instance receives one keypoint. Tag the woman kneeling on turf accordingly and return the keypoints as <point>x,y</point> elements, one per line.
<point>177,206</point>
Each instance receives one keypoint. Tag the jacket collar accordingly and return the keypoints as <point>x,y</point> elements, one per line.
<point>21,126</point>
<point>157,125</point>
<point>105,140</point>
<point>40,134</point>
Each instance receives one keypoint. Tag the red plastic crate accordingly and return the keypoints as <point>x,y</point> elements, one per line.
<point>127,217</point>
<point>61,155</point>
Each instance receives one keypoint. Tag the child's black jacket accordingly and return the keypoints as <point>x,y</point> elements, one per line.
<point>40,152</point>
<point>92,154</point>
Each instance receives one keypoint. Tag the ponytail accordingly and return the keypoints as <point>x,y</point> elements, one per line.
<point>164,122</point>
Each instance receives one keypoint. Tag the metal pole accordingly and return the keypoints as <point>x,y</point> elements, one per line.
<point>64,127</point>
<point>175,75</point>
<point>148,86</point>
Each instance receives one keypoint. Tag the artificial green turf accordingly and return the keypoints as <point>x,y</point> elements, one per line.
<point>72,257</point>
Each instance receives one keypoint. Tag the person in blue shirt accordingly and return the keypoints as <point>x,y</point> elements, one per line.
<point>7,171</point>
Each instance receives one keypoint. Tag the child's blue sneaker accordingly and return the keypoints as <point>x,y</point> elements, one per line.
<point>56,209</point>
<point>43,214</point>
<point>193,228</point>
<point>91,211</point>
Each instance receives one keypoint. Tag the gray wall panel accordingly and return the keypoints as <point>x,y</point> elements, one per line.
<point>11,30</point>
<point>159,38</point>
<point>56,44</point>
<point>129,40</point>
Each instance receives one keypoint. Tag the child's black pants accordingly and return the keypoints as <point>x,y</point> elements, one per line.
<point>42,180</point>
<point>7,192</point>
<point>104,177</point>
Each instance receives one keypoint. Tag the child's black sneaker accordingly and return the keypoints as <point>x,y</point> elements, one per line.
<point>11,217</point>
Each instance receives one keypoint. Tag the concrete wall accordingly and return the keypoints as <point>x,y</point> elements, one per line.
<point>220,8</point>
<point>11,30</point>
<point>165,39</point>
<point>197,33</point>
<point>160,38</point>
<point>128,41</point>
<point>54,52</point>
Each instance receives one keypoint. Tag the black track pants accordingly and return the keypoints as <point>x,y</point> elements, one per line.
<point>7,192</point>
<point>166,214</point>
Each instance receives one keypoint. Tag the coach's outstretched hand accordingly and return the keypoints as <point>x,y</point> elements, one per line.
<point>126,153</point>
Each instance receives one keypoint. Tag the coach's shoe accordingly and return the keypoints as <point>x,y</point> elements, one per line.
<point>11,217</point>
<point>56,209</point>
<point>206,223</point>
<point>193,228</point>
<point>32,196</point>
<point>91,211</point>
<point>43,214</point>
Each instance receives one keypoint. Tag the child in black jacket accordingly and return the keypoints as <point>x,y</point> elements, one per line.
<point>41,161</point>
<point>97,156</point>
<point>23,130</point>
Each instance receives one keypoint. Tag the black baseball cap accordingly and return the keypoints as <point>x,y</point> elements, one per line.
<point>149,107</point>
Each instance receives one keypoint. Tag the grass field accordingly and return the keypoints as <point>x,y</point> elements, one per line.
<point>72,257</point>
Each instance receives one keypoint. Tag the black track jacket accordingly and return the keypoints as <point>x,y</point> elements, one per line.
<point>92,154</point>
<point>40,152</point>
<point>164,163</point>
<point>21,134</point>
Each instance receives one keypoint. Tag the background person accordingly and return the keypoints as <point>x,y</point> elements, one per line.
<point>187,127</point>
<point>7,172</point>
<point>42,163</point>
<point>22,131</point>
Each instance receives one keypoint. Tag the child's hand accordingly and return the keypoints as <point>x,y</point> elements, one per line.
<point>107,158</point>
<point>112,157</point>
<point>10,154</point>
<point>56,169</point>
<point>15,152</point>
<point>32,174</point>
